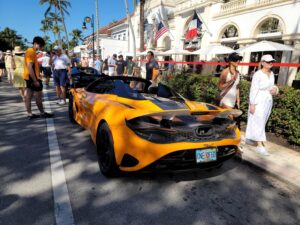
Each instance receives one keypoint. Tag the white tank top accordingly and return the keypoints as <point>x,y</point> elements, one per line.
<point>230,98</point>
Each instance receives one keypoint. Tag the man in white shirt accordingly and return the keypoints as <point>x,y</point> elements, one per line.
<point>46,66</point>
<point>62,69</point>
<point>112,65</point>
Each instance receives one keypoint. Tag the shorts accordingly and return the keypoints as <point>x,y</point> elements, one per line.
<point>40,68</point>
<point>30,85</point>
<point>47,71</point>
<point>60,77</point>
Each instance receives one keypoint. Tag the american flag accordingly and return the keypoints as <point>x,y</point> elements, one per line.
<point>161,29</point>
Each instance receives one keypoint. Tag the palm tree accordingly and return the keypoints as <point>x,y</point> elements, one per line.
<point>142,27</point>
<point>55,19</point>
<point>46,25</point>
<point>56,31</point>
<point>62,6</point>
<point>76,37</point>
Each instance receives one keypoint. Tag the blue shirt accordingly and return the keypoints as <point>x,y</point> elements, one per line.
<point>97,65</point>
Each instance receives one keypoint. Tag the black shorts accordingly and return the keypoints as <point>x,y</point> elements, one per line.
<point>47,71</point>
<point>30,85</point>
<point>2,65</point>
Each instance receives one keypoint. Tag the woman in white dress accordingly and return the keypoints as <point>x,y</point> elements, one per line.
<point>229,83</point>
<point>261,102</point>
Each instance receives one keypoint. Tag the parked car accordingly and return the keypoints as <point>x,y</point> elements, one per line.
<point>81,76</point>
<point>136,126</point>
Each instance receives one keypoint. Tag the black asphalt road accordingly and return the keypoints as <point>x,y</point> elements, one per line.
<point>233,194</point>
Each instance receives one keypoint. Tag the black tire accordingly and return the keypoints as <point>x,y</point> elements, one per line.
<point>70,110</point>
<point>106,153</point>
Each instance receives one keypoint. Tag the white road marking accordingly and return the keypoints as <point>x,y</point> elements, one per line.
<point>62,205</point>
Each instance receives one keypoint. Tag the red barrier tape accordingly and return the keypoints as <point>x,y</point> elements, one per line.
<point>224,63</point>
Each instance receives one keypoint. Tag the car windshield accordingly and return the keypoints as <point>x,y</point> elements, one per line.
<point>132,89</point>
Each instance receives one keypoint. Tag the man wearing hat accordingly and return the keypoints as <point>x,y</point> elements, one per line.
<point>62,68</point>
<point>9,64</point>
<point>33,80</point>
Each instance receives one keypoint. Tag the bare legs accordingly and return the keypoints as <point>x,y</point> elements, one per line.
<point>61,93</point>
<point>38,98</point>
<point>22,93</point>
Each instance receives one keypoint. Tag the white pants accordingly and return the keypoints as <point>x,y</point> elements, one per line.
<point>10,74</point>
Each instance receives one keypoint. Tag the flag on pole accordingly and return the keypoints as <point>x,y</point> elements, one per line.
<point>161,29</point>
<point>194,25</point>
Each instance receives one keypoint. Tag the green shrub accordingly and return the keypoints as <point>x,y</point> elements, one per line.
<point>285,116</point>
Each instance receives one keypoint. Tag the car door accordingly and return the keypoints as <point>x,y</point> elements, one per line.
<point>98,92</point>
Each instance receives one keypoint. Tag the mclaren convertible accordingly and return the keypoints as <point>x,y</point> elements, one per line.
<point>136,126</point>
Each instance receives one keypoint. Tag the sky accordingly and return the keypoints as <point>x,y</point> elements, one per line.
<point>25,16</point>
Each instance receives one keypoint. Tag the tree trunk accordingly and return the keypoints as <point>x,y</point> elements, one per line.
<point>58,34</point>
<point>63,21</point>
<point>142,27</point>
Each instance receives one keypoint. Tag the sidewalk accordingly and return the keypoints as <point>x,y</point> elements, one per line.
<point>282,163</point>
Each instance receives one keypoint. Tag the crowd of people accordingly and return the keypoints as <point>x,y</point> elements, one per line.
<point>25,70</point>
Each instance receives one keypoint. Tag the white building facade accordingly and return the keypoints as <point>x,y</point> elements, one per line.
<point>235,23</point>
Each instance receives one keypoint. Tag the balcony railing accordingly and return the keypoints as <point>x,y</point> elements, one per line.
<point>188,5</point>
<point>233,6</point>
<point>237,5</point>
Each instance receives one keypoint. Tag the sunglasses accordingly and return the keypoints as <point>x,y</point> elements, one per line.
<point>270,62</point>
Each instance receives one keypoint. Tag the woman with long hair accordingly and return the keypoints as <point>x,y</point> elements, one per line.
<point>261,102</point>
<point>229,83</point>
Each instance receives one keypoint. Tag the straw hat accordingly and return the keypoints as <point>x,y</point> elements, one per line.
<point>18,50</point>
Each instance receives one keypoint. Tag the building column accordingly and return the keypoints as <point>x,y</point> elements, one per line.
<point>284,71</point>
<point>295,58</point>
<point>246,59</point>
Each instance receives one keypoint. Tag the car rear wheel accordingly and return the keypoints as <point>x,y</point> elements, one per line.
<point>105,151</point>
<point>70,110</point>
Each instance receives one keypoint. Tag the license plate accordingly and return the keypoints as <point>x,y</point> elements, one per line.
<point>206,155</point>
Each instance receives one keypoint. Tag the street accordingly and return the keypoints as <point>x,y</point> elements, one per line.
<point>234,194</point>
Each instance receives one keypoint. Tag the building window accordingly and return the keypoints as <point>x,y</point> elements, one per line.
<point>230,32</point>
<point>270,25</point>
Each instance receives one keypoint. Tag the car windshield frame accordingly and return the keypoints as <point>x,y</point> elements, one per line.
<point>122,87</point>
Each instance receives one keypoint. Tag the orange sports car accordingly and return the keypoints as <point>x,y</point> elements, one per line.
<point>138,126</point>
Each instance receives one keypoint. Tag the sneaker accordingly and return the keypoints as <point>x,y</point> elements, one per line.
<point>261,150</point>
<point>58,101</point>
<point>33,116</point>
<point>47,115</point>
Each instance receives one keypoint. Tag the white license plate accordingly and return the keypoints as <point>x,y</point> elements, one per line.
<point>206,155</point>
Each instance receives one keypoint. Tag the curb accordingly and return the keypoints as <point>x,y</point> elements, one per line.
<point>250,163</point>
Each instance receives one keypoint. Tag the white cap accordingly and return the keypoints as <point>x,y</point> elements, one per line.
<point>57,47</point>
<point>267,58</point>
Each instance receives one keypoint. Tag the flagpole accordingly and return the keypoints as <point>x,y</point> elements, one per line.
<point>162,20</point>
<point>131,29</point>
<point>203,23</point>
